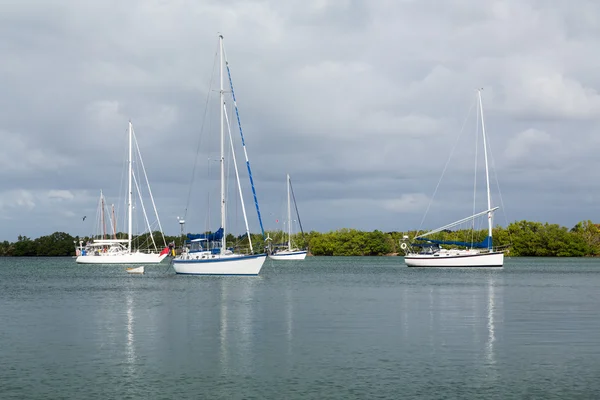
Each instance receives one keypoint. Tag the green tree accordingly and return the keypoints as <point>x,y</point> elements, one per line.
<point>590,234</point>
<point>24,247</point>
<point>56,244</point>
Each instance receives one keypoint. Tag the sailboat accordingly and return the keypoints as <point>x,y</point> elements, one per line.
<point>425,252</point>
<point>208,254</point>
<point>289,253</point>
<point>120,251</point>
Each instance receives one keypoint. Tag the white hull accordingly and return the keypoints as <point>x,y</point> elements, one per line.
<point>288,255</point>
<point>493,259</point>
<point>126,258</point>
<point>136,270</point>
<point>234,264</point>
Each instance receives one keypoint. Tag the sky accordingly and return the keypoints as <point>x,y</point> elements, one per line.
<point>364,103</point>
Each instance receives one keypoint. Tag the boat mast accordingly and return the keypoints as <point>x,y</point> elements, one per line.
<point>114,222</point>
<point>487,175</point>
<point>222,107</point>
<point>129,203</point>
<point>289,215</point>
<point>102,213</point>
<point>237,114</point>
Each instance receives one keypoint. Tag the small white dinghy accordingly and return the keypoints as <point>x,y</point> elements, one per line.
<point>136,270</point>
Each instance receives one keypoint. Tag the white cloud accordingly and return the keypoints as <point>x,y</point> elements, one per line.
<point>528,143</point>
<point>537,90</point>
<point>21,154</point>
<point>384,122</point>
<point>103,111</point>
<point>16,199</point>
<point>60,195</point>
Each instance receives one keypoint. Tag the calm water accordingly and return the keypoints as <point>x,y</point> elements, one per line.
<point>325,328</point>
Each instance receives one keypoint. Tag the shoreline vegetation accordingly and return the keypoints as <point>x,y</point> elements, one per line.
<point>522,238</point>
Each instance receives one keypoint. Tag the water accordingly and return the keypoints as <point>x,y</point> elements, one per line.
<point>324,328</point>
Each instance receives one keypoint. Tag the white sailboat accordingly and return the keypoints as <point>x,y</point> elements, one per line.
<point>289,253</point>
<point>120,251</point>
<point>200,258</point>
<point>430,253</point>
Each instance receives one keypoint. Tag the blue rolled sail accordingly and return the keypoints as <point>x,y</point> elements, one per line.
<point>237,114</point>
<point>485,244</point>
<point>211,237</point>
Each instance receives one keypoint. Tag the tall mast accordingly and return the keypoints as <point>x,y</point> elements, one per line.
<point>237,114</point>
<point>487,174</point>
<point>222,106</point>
<point>129,203</point>
<point>114,222</point>
<point>289,214</point>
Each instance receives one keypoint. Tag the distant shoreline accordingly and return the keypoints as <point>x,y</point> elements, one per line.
<point>521,238</point>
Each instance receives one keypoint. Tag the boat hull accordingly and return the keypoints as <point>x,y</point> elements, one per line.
<point>128,258</point>
<point>492,259</point>
<point>288,255</point>
<point>234,264</point>
<point>136,270</point>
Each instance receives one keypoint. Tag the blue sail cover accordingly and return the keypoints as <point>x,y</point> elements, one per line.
<point>237,113</point>
<point>211,237</point>
<point>485,244</point>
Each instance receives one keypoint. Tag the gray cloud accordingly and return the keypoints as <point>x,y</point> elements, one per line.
<point>360,101</point>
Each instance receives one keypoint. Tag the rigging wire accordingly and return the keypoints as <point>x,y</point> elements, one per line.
<point>243,144</point>
<point>122,186</point>
<point>296,207</point>
<point>495,174</point>
<point>445,168</point>
<point>475,173</point>
<point>156,223</point>
<point>210,85</point>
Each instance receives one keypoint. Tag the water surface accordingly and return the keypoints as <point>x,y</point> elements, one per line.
<point>322,328</point>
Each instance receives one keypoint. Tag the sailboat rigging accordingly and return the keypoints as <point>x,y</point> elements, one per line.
<point>426,252</point>
<point>290,252</point>
<point>208,254</point>
<point>121,251</point>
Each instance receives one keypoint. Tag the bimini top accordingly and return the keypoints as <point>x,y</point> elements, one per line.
<point>217,235</point>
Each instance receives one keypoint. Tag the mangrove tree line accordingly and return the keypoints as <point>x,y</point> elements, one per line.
<point>521,238</point>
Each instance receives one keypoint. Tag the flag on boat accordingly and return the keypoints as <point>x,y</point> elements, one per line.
<point>165,251</point>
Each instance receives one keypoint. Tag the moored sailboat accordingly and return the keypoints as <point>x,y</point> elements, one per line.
<point>208,254</point>
<point>426,252</point>
<point>120,251</point>
<point>290,252</point>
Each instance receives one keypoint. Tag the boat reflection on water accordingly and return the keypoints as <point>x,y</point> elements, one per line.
<point>130,339</point>
<point>460,316</point>
<point>237,331</point>
<point>489,348</point>
<point>130,371</point>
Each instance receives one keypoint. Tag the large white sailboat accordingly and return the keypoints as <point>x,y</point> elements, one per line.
<point>120,251</point>
<point>208,253</point>
<point>425,252</point>
<point>290,252</point>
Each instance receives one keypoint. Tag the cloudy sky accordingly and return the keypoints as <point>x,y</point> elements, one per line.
<point>362,102</point>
